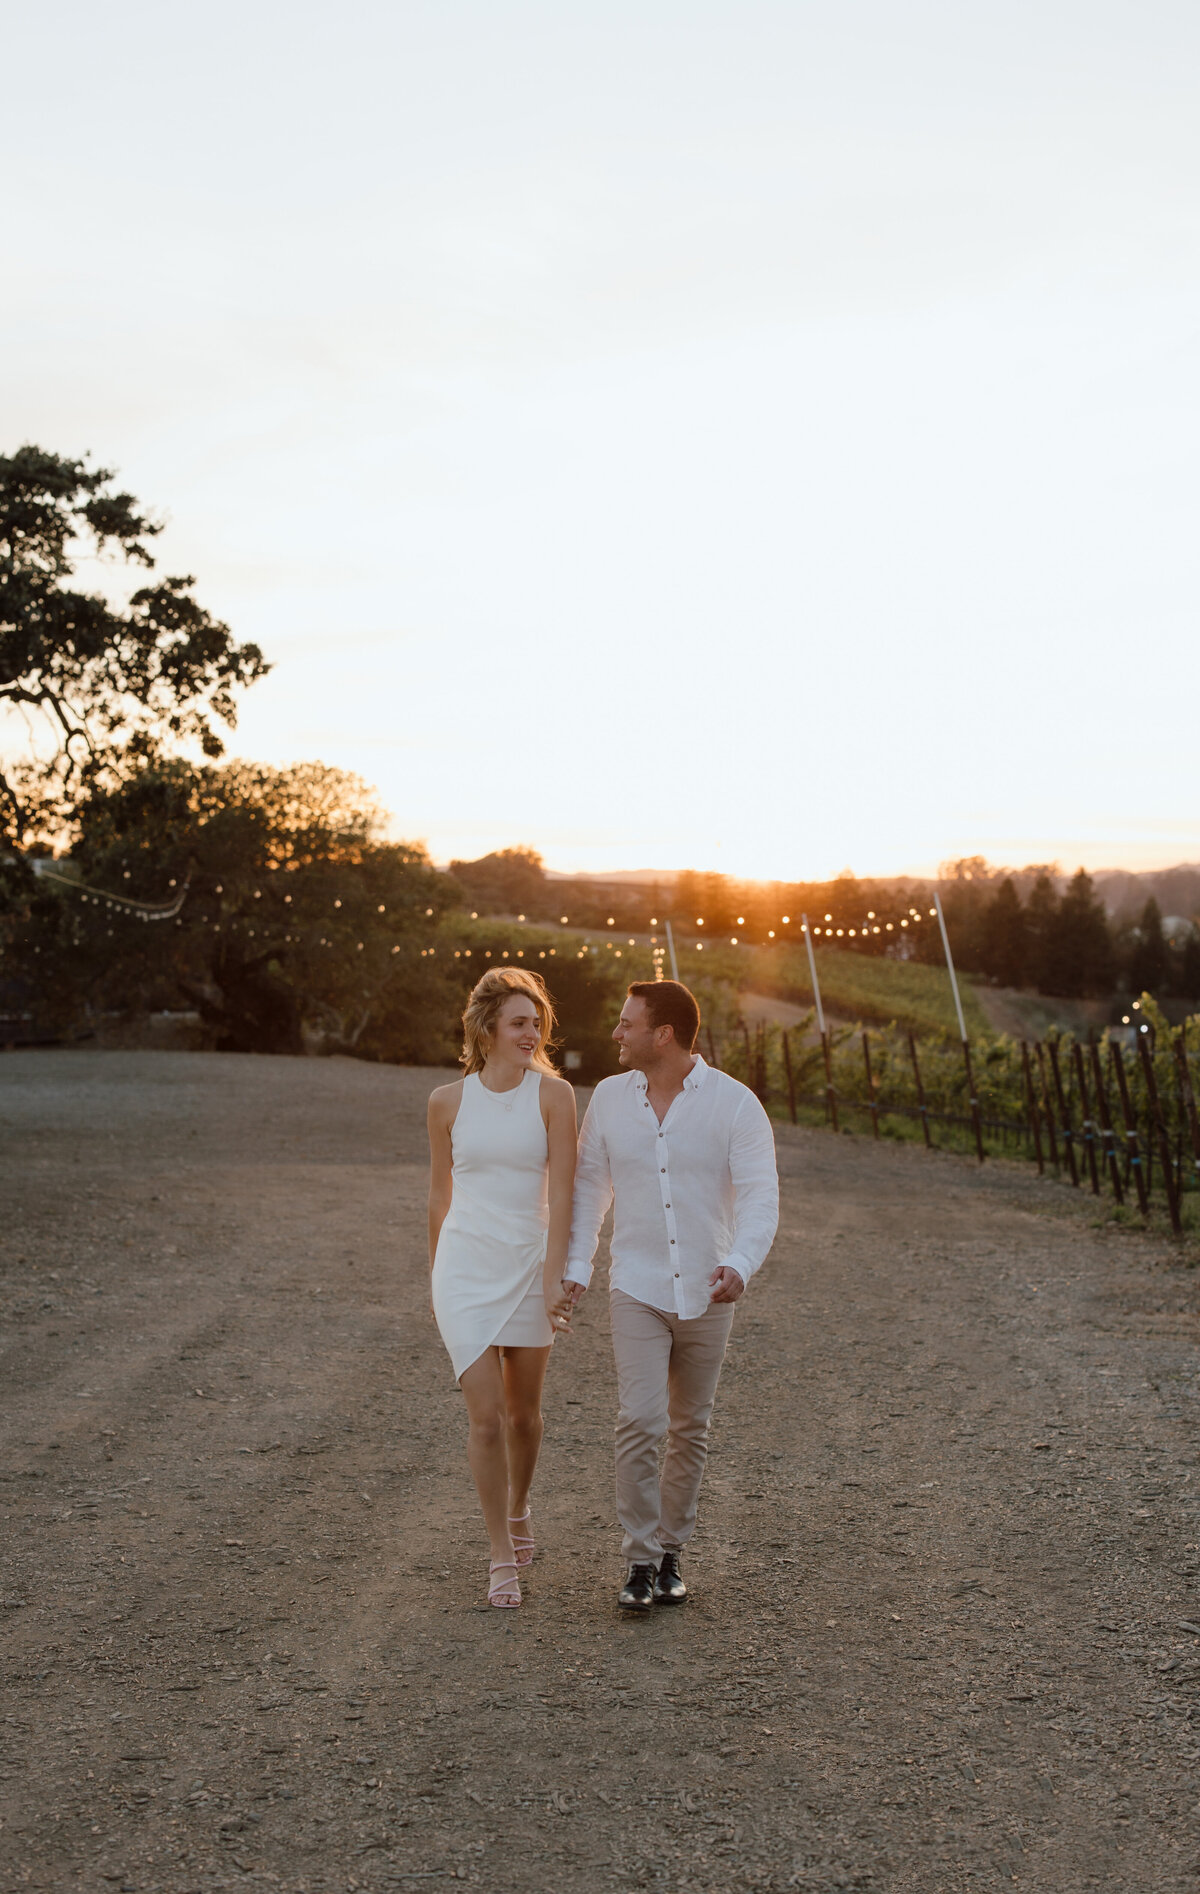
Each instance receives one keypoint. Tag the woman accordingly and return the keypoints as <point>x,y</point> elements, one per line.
<point>502,1154</point>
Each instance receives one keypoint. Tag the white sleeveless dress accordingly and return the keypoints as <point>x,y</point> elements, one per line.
<point>487,1272</point>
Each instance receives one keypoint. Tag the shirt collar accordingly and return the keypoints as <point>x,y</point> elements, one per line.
<point>691,1083</point>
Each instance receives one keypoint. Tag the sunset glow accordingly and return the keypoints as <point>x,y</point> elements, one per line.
<point>757,441</point>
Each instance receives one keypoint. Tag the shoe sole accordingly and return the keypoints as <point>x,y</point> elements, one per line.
<point>637,1611</point>
<point>670,1601</point>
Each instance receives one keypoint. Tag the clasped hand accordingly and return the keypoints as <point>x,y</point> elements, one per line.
<point>560,1306</point>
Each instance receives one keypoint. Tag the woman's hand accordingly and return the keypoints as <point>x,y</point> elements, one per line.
<point>559,1308</point>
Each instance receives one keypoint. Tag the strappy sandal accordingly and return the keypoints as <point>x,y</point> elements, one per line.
<point>504,1593</point>
<point>523,1543</point>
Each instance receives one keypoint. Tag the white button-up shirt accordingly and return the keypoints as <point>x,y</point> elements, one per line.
<point>697,1191</point>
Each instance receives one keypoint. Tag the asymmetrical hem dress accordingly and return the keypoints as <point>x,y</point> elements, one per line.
<point>487,1271</point>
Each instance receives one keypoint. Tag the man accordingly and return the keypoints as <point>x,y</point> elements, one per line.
<point>687,1154</point>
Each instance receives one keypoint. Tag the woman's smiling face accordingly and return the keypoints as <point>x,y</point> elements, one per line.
<point>517,1032</point>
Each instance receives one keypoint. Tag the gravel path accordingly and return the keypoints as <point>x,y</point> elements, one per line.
<point>945,1630</point>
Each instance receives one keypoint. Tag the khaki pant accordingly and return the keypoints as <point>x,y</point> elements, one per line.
<point>667,1374</point>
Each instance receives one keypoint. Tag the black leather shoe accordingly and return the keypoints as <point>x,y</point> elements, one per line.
<point>637,1593</point>
<point>669,1588</point>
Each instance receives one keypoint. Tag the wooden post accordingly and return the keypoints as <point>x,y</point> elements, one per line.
<point>962,1027</point>
<point>1064,1116</point>
<point>1159,1124</point>
<point>912,1046</point>
<point>1089,1127</point>
<point>975,1118</point>
<point>1047,1107</point>
<point>1110,1142</point>
<point>830,1094</point>
<point>1033,1110</point>
<point>870,1084</point>
<point>1188,1095</point>
<point>787,1067</point>
<point>1131,1134</point>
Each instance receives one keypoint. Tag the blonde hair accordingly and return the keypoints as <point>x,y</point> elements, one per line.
<point>483,1009</point>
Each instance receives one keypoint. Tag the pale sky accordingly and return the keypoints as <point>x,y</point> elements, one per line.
<point>759,437</point>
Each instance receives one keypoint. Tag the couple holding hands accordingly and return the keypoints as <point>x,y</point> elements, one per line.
<point>686,1155</point>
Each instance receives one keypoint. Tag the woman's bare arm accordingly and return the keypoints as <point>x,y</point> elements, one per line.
<point>443,1107</point>
<point>558,1109</point>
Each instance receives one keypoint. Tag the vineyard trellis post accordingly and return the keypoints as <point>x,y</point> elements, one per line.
<point>1064,1116</point>
<point>924,1109</point>
<point>962,1027</point>
<point>1033,1110</point>
<point>1110,1142</point>
<point>787,1068</point>
<point>1047,1106</point>
<point>1089,1125</point>
<point>872,1101</point>
<point>1188,1096</point>
<point>1160,1126</point>
<point>1131,1131</point>
<point>830,1094</point>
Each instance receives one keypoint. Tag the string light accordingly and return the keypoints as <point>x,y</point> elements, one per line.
<point>147,910</point>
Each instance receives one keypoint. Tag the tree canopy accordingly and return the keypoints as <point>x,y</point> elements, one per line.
<point>292,913</point>
<point>97,677</point>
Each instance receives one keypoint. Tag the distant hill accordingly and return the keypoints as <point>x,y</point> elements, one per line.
<point>1124,891</point>
<point>1124,894</point>
<point>643,877</point>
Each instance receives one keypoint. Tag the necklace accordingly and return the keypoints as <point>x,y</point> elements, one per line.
<point>510,1097</point>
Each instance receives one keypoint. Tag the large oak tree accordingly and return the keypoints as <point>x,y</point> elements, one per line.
<point>93,677</point>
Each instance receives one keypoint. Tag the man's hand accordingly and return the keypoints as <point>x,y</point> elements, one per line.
<point>725,1285</point>
<point>559,1310</point>
<point>576,1290</point>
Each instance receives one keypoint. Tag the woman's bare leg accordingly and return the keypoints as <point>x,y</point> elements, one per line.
<point>483,1386</point>
<point>524,1371</point>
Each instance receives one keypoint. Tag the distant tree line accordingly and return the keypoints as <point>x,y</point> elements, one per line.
<point>1018,929</point>
<point>1064,944</point>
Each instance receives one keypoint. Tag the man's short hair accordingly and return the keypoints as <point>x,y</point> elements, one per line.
<point>668,1003</point>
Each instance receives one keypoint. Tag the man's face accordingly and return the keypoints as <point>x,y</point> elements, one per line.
<point>636,1038</point>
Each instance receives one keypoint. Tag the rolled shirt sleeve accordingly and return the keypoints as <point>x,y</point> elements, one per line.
<point>593,1194</point>
<point>756,1188</point>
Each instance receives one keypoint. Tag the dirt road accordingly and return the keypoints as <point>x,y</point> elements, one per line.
<point>944,1632</point>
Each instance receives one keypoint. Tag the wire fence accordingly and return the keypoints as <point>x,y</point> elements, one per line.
<point>1118,1119</point>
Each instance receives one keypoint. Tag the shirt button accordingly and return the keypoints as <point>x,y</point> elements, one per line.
<point>672,1242</point>
<point>677,1275</point>
<point>668,1206</point>
<point>662,1170</point>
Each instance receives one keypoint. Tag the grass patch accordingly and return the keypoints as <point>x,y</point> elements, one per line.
<point>875,991</point>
